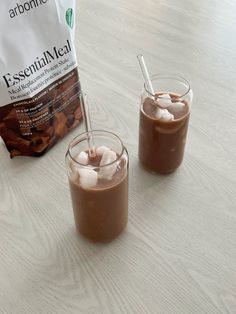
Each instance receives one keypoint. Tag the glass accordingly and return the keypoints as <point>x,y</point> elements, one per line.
<point>162,139</point>
<point>100,210</point>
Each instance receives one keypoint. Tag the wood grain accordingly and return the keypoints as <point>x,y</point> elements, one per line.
<point>178,254</point>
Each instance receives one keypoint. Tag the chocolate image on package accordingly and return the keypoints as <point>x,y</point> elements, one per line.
<point>39,87</point>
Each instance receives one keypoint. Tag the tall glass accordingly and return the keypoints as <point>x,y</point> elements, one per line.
<point>101,206</point>
<point>163,123</point>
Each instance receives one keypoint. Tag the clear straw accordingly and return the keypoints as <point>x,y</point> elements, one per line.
<point>146,76</point>
<point>87,121</point>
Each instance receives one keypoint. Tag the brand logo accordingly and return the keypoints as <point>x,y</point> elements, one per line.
<point>70,17</point>
<point>26,6</point>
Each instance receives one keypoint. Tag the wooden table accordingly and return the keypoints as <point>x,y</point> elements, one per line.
<point>178,253</point>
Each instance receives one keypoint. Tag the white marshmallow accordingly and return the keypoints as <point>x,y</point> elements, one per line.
<point>177,107</point>
<point>163,114</point>
<point>107,172</point>
<point>159,113</point>
<point>108,157</point>
<point>82,158</point>
<point>101,150</point>
<point>164,100</point>
<point>166,116</point>
<point>88,178</point>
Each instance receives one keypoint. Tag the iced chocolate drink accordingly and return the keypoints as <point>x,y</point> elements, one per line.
<point>163,126</point>
<point>99,187</point>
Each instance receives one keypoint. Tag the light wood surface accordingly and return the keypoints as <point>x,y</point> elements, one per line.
<point>178,253</point>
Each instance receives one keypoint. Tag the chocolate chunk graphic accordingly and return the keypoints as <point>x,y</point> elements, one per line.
<point>33,126</point>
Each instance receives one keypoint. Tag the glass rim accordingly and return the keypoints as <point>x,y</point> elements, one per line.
<point>83,137</point>
<point>168,76</point>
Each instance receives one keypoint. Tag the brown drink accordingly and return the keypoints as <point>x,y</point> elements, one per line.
<point>163,131</point>
<point>101,211</point>
<point>99,192</point>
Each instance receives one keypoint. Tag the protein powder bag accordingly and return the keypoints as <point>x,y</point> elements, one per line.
<point>39,84</point>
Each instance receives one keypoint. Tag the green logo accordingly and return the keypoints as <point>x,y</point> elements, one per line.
<point>70,17</point>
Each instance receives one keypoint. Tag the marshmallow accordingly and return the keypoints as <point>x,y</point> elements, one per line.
<point>158,114</point>
<point>101,150</point>
<point>82,158</point>
<point>177,107</point>
<point>163,114</point>
<point>166,116</point>
<point>107,172</point>
<point>88,178</point>
<point>164,100</point>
